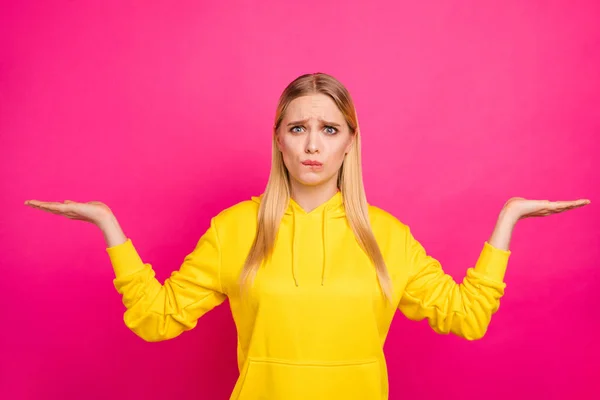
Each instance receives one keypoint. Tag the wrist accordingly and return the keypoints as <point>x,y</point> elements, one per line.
<point>112,232</point>
<point>508,217</point>
<point>105,220</point>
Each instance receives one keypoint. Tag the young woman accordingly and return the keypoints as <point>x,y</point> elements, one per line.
<point>313,273</point>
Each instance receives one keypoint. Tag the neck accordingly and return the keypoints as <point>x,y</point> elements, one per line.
<point>310,197</point>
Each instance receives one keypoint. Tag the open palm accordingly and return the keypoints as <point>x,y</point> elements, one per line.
<point>91,211</point>
<point>524,208</point>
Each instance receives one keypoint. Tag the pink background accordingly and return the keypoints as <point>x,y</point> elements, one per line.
<point>163,112</point>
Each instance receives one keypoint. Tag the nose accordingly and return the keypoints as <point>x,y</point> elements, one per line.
<point>312,143</point>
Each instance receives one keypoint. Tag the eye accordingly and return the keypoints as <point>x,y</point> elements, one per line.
<point>334,130</point>
<point>294,127</point>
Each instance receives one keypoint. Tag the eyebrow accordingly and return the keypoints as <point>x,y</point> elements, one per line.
<point>306,120</point>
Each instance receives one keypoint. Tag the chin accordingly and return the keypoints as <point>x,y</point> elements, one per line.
<point>311,179</point>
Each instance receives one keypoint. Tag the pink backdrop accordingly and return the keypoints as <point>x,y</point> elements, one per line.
<point>155,109</point>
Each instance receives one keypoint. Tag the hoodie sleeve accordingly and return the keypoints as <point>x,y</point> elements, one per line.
<point>158,312</point>
<point>463,309</point>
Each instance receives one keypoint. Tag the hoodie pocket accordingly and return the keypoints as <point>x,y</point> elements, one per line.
<point>267,379</point>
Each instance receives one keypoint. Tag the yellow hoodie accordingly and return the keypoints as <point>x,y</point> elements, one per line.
<point>315,322</point>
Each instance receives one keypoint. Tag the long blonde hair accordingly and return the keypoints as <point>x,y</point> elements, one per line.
<point>278,190</point>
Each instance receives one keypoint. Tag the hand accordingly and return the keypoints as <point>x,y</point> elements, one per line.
<point>94,212</point>
<point>519,208</point>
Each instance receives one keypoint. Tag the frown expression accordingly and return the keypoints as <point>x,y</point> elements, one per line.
<point>313,138</point>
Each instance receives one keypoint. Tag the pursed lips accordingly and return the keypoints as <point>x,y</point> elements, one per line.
<point>311,163</point>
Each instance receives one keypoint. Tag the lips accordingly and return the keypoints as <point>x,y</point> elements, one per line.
<point>312,163</point>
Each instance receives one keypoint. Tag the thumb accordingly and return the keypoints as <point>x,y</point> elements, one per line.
<point>69,201</point>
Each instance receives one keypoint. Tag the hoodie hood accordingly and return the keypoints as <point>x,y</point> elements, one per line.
<point>329,210</point>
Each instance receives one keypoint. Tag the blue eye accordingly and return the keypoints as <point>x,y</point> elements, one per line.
<point>334,130</point>
<point>330,132</point>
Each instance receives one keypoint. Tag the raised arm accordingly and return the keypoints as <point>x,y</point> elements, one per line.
<point>154,312</point>
<point>158,312</point>
<point>466,309</point>
<point>463,309</point>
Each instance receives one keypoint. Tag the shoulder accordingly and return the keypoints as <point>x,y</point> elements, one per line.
<point>238,220</point>
<point>380,216</point>
<point>385,223</point>
<point>238,214</point>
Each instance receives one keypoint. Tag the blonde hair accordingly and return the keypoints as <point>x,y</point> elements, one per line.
<point>276,196</point>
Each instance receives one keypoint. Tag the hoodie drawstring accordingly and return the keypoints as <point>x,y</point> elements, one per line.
<point>324,244</point>
<point>330,211</point>
<point>294,247</point>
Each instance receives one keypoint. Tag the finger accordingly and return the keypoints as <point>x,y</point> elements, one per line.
<point>575,206</point>
<point>572,202</point>
<point>566,208</point>
<point>42,203</point>
<point>40,207</point>
<point>578,205</point>
<point>561,205</point>
<point>51,205</point>
<point>54,210</point>
<point>49,210</point>
<point>54,207</point>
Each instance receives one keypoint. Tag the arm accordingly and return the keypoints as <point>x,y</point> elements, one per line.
<point>463,309</point>
<point>466,309</point>
<point>158,312</point>
<point>500,238</point>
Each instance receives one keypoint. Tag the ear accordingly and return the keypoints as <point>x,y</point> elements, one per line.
<point>349,147</point>
<point>278,140</point>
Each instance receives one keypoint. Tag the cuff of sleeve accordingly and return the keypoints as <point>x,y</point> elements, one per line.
<point>125,259</point>
<point>493,262</point>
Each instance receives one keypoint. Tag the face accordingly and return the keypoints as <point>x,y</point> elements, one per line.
<point>314,138</point>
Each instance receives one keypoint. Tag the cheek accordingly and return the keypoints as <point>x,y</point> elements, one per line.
<point>288,148</point>
<point>284,148</point>
<point>338,153</point>
<point>288,153</point>
<point>334,160</point>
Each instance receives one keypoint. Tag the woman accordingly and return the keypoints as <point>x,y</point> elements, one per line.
<point>313,273</point>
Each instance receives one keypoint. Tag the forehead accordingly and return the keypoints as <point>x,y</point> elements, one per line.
<point>314,106</point>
